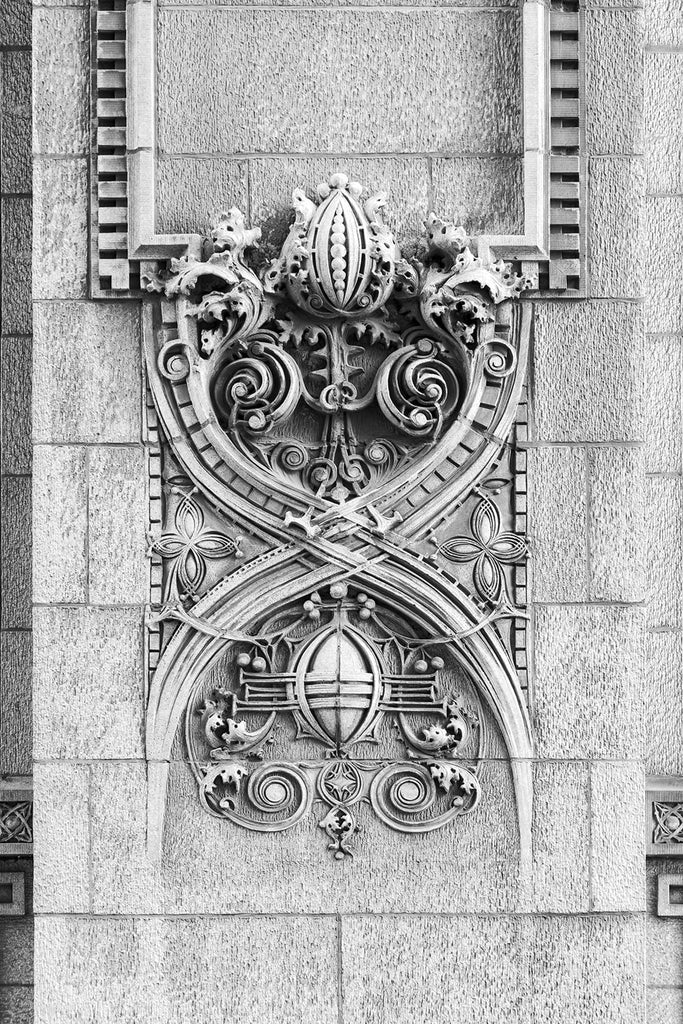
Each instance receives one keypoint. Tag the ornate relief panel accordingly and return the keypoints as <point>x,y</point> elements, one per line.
<point>337,522</point>
<point>664,817</point>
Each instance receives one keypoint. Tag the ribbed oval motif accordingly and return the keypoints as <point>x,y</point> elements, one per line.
<point>339,245</point>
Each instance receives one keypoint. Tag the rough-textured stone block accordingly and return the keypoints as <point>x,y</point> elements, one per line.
<point>16,951</point>
<point>117,516</point>
<point>15,701</point>
<point>15,26</point>
<point>472,865</point>
<point>60,524</point>
<point>663,284</point>
<point>664,22</point>
<point>663,705</point>
<point>340,3</point>
<point>60,239</point>
<point>557,482</point>
<point>588,689</point>
<point>15,404</point>
<point>402,69</point>
<point>664,951</point>
<point>533,970</point>
<point>614,79</point>
<point>561,837</point>
<point>191,192</point>
<point>615,207</point>
<point>588,970</point>
<point>664,1005</point>
<point>61,836</point>
<point>616,527</point>
<point>87,377</point>
<point>405,970</point>
<point>485,195</point>
<point>663,423</point>
<point>664,121</point>
<point>15,243</point>
<point>405,180</point>
<point>87,682</point>
<point>588,371</point>
<point>617,839</point>
<point>60,77</point>
<point>15,125</point>
<point>664,551</point>
<point>258,970</point>
<point>16,1004</point>
<point>15,552</point>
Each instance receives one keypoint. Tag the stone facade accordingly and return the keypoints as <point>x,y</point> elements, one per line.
<point>219,921</point>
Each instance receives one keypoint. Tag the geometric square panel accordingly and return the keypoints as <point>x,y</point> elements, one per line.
<point>12,902</point>
<point>670,896</point>
<point>664,817</point>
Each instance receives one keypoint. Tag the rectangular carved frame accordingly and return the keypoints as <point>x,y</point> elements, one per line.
<point>124,240</point>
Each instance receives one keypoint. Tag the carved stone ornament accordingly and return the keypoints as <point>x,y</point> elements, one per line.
<point>327,416</point>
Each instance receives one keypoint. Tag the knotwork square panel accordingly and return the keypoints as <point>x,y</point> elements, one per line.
<point>337,518</point>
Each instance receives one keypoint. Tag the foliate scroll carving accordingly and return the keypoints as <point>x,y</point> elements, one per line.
<point>351,415</point>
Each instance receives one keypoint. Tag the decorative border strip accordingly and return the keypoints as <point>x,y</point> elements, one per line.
<point>666,907</point>
<point>124,243</point>
<point>16,905</point>
<point>518,465</point>
<point>16,819</point>
<point>664,816</point>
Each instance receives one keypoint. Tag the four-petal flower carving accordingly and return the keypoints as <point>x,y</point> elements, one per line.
<point>188,546</point>
<point>489,547</point>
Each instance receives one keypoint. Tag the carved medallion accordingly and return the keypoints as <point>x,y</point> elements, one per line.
<point>337,408</point>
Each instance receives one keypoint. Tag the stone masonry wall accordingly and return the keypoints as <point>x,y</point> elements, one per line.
<point>232,927</point>
<point>663,239</point>
<point>16,933</point>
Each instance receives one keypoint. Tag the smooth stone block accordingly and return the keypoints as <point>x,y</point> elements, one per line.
<point>61,840</point>
<point>266,98</point>
<point>484,194</point>
<point>61,73</point>
<point>15,404</point>
<point>404,179</point>
<point>557,486</point>
<point>664,121</point>
<point>88,682</point>
<point>87,375</point>
<point>587,368</point>
<point>15,701</point>
<point>616,524</point>
<point>60,239</point>
<point>588,688</point>
<point>664,544</point>
<point>617,838</point>
<point>614,101</point>
<point>165,971</point>
<point>615,264</point>
<point>191,192</point>
<point>663,421</point>
<point>60,524</point>
<point>663,705</point>
<point>118,570</point>
<point>663,285</point>
<point>15,552</point>
<point>665,951</point>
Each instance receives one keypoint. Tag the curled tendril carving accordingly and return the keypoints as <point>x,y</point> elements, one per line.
<point>309,337</point>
